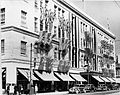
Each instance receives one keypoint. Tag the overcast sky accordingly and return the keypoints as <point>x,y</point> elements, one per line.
<point>104,12</point>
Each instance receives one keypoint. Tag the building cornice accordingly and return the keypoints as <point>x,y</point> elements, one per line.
<point>19,30</point>
<point>87,18</point>
<point>22,31</point>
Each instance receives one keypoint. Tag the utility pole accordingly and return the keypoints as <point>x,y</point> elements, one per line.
<point>31,83</point>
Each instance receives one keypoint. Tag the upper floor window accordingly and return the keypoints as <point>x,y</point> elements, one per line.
<point>36,24</point>
<point>36,4</point>
<point>23,47</point>
<point>2,16</point>
<point>3,46</point>
<point>23,18</point>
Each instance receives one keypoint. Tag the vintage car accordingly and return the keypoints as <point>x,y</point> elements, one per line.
<point>77,88</point>
<point>101,87</point>
<point>90,88</point>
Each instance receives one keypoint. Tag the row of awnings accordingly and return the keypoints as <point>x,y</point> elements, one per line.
<point>52,76</point>
<point>104,79</point>
<point>60,76</point>
<point>117,80</point>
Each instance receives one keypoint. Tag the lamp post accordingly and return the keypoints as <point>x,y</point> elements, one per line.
<point>31,82</point>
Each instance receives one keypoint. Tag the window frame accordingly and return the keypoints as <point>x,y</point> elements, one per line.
<point>23,48</point>
<point>35,24</point>
<point>2,46</point>
<point>23,18</point>
<point>2,11</point>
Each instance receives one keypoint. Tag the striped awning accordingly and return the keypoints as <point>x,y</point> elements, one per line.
<point>110,79</point>
<point>26,73</point>
<point>64,77</point>
<point>117,80</point>
<point>47,76</point>
<point>78,77</point>
<point>98,78</point>
<point>104,79</point>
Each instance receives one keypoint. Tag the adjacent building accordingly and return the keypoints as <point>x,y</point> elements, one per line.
<point>91,51</point>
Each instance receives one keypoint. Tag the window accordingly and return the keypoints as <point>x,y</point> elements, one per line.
<point>55,55</point>
<point>23,47</point>
<point>3,46</point>
<point>36,24</point>
<point>36,4</point>
<point>3,16</point>
<point>23,18</point>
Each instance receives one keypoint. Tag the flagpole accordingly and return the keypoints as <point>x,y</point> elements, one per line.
<point>30,69</point>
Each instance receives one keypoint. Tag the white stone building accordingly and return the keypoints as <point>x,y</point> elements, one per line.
<point>20,26</point>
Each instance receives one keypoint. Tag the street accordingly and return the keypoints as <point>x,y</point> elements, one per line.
<point>113,92</point>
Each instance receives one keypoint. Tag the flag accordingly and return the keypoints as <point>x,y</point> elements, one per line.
<point>67,44</point>
<point>61,44</point>
<point>68,66</point>
<point>41,65</point>
<point>51,38</point>
<point>49,62</point>
<point>42,35</point>
<point>47,37</point>
<point>60,66</point>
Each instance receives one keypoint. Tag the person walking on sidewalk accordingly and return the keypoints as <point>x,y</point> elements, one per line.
<point>8,89</point>
<point>36,89</point>
<point>15,90</point>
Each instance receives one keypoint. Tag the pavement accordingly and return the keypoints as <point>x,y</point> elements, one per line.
<point>118,93</point>
<point>50,93</point>
<point>53,93</point>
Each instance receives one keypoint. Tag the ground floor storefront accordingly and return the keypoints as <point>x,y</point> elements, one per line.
<point>43,81</point>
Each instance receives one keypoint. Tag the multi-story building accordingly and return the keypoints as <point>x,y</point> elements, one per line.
<point>22,21</point>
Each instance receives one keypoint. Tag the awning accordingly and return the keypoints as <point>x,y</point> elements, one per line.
<point>117,80</point>
<point>103,78</point>
<point>64,77</point>
<point>110,79</point>
<point>47,76</point>
<point>114,79</point>
<point>98,78</point>
<point>26,73</point>
<point>78,77</point>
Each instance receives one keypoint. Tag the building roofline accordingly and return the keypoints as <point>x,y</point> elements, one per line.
<point>86,17</point>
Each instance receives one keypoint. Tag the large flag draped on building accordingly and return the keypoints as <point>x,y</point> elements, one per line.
<point>49,63</point>
<point>41,65</point>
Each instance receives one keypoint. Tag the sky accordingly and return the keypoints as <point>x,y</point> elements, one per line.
<point>104,12</point>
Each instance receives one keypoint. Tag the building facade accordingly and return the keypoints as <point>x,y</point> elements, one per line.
<point>22,22</point>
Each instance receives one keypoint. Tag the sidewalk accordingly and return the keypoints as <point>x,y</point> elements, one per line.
<point>52,93</point>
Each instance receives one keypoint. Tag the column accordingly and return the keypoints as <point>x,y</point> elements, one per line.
<point>11,76</point>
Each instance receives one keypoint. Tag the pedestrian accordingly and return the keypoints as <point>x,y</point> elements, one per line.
<point>19,89</point>
<point>36,89</point>
<point>8,89</point>
<point>15,90</point>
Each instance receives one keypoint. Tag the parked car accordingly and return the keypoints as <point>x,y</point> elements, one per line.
<point>81,88</point>
<point>78,88</point>
<point>115,86</point>
<point>89,88</point>
<point>109,87</point>
<point>101,87</point>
